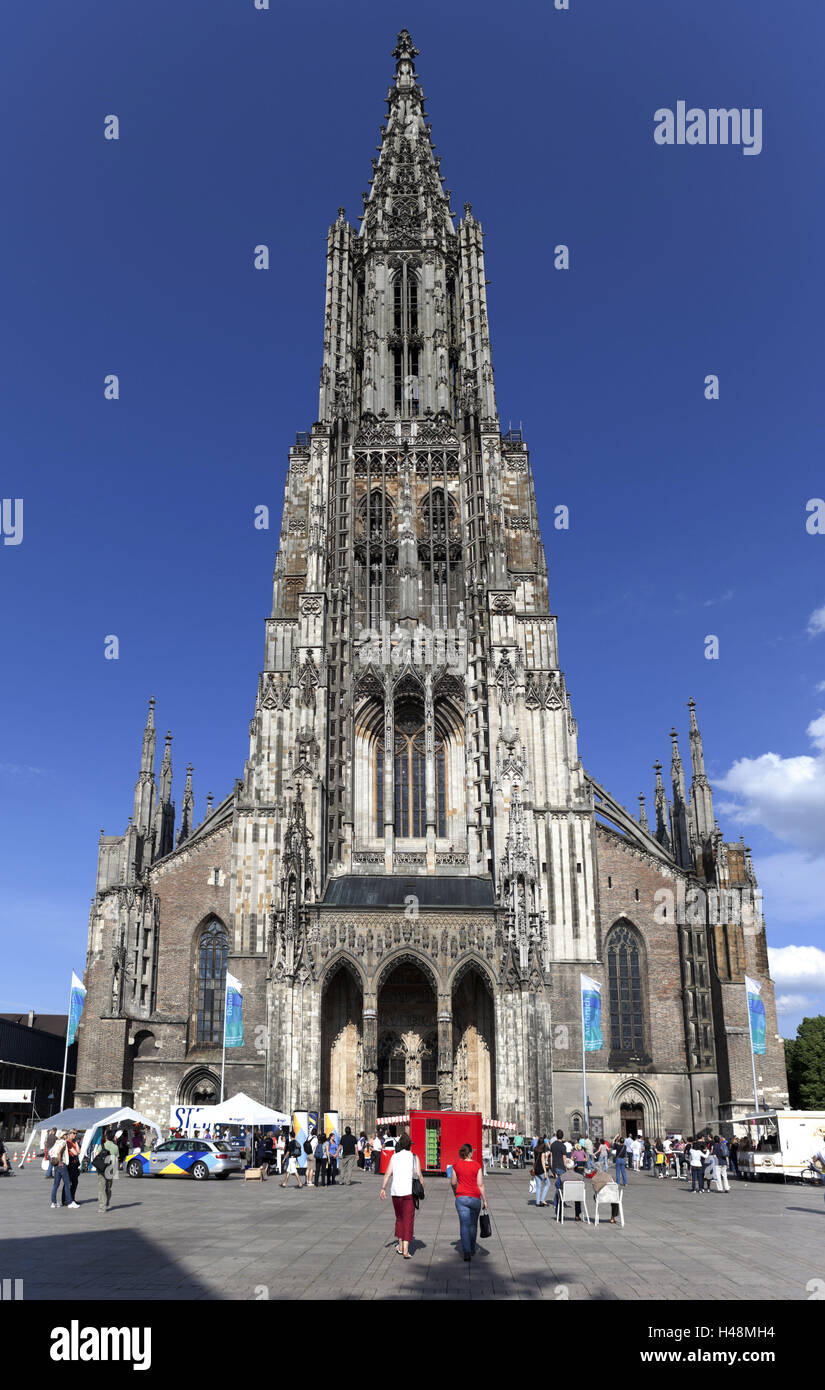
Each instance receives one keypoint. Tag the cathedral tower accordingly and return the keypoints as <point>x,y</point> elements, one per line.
<point>415,862</point>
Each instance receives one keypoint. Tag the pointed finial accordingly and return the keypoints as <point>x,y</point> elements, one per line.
<point>209,803</point>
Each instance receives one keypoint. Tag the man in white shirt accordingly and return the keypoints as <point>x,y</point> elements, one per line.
<point>376,1147</point>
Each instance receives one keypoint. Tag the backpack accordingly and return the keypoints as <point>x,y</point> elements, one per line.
<point>307,1147</point>
<point>102,1161</point>
<point>294,1148</point>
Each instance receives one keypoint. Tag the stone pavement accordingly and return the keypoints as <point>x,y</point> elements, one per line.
<point>167,1238</point>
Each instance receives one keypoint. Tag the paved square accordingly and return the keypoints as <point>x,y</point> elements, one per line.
<point>169,1239</point>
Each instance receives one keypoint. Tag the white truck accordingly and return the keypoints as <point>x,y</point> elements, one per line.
<point>781,1143</point>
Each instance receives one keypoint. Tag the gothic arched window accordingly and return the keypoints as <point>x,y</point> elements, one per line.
<point>213,949</point>
<point>410,776</point>
<point>625,983</point>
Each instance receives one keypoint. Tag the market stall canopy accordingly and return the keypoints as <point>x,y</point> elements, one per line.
<point>243,1110</point>
<point>90,1120</point>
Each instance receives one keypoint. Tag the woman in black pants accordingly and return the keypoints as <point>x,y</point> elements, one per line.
<point>320,1161</point>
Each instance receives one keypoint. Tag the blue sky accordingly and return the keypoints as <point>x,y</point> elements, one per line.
<point>241,126</point>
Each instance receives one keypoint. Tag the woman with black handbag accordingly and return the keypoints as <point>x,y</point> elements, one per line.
<point>404,1171</point>
<point>467,1178</point>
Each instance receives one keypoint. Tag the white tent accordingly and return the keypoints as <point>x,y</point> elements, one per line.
<point>90,1120</point>
<point>243,1110</point>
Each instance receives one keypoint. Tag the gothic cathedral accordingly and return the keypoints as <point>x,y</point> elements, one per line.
<point>416,868</point>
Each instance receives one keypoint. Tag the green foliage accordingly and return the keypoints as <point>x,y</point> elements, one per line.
<point>805,1060</point>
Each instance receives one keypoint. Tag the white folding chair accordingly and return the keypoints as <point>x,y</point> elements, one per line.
<point>573,1192</point>
<point>610,1193</point>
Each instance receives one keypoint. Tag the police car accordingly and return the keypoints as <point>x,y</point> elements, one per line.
<point>186,1158</point>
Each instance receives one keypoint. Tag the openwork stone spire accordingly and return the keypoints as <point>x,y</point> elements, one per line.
<point>407,206</point>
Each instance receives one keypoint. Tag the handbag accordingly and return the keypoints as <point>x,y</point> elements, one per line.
<point>417,1187</point>
<point>101,1162</point>
<point>45,1165</point>
<point>485,1225</point>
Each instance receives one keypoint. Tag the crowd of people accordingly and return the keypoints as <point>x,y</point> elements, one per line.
<point>708,1160</point>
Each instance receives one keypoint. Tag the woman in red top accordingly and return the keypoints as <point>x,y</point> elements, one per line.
<point>467,1179</point>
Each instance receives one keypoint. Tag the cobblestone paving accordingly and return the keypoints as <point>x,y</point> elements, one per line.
<point>170,1239</point>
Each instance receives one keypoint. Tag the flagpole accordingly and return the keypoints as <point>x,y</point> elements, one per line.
<point>584,1066</point>
<point>753,1058</point>
<point>66,1051</point>
<point>223,1049</point>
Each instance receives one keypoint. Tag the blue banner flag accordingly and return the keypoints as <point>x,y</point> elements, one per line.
<point>756,1012</point>
<point>591,1014</point>
<point>77,1000</point>
<point>233,1035</point>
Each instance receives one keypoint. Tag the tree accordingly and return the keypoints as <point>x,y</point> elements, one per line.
<point>805,1060</point>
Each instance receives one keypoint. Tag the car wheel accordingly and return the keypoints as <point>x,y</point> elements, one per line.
<point>200,1171</point>
<point>135,1169</point>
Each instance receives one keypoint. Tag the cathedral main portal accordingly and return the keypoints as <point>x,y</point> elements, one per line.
<point>407,1042</point>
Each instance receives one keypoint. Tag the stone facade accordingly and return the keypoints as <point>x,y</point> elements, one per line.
<point>415,867</point>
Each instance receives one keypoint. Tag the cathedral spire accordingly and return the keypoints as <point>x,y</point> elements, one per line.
<point>701,797</point>
<point>163,824</point>
<point>187,808</point>
<point>681,843</point>
<point>165,789</point>
<point>660,802</point>
<point>145,785</point>
<point>406,198</point>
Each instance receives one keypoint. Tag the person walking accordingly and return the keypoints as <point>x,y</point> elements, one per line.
<point>709,1165</point>
<point>660,1159</point>
<point>734,1156</point>
<point>603,1156</point>
<point>47,1148</point>
<point>72,1163</point>
<point>59,1157</point>
<point>540,1173</point>
<point>320,1161</point>
<point>401,1169</point>
<point>348,1151</point>
<point>620,1152</point>
<point>293,1151</point>
<point>375,1145</point>
<point>504,1149</point>
<point>558,1153</point>
<point>693,1155</point>
<point>467,1180</point>
<point>361,1146</point>
<point>108,1148</point>
<point>333,1150</point>
<point>721,1174</point>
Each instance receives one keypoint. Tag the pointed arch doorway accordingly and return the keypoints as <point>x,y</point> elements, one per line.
<point>407,1041</point>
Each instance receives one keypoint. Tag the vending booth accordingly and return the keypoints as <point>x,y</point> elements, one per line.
<point>437,1136</point>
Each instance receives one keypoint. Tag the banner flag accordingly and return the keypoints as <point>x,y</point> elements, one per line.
<point>756,1011</point>
<point>234,1012</point>
<point>78,998</point>
<point>591,1014</point>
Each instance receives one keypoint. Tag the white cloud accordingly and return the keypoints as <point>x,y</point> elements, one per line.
<point>784,795</point>
<point>794,1005</point>
<point>800,967</point>
<point>816,622</point>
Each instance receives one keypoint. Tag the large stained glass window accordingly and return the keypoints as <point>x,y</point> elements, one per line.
<point>213,950</point>
<point>625,983</point>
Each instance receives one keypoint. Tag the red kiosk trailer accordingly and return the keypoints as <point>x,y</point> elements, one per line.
<point>437,1136</point>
